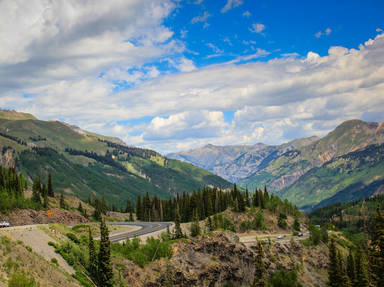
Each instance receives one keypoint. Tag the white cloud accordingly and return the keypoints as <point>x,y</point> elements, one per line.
<point>202,18</point>
<point>196,124</point>
<point>326,32</point>
<point>257,28</point>
<point>379,30</point>
<point>68,57</point>
<point>247,14</point>
<point>231,4</point>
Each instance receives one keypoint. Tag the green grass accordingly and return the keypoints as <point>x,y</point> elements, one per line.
<point>84,177</point>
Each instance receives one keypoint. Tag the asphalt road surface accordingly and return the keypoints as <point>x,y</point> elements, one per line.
<point>146,228</point>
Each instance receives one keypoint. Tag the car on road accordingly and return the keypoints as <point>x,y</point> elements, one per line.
<point>4,224</point>
<point>280,237</point>
<point>300,234</point>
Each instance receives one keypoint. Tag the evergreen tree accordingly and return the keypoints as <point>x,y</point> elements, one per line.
<point>62,202</point>
<point>296,224</point>
<point>361,269</point>
<point>377,248</point>
<point>178,232</point>
<point>139,208</point>
<point>195,226</point>
<point>50,187</point>
<point>351,271</point>
<point>92,264</point>
<point>259,280</point>
<point>209,225</point>
<point>335,277</point>
<point>282,220</point>
<point>104,259</point>
<point>80,208</point>
<point>36,190</point>
<point>259,221</point>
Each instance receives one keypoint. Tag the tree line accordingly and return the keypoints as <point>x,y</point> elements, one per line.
<point>206,202</point>
<point>130,151</point>
<point>104,159</point>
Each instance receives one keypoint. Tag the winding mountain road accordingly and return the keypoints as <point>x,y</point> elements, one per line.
<point>145,229</point>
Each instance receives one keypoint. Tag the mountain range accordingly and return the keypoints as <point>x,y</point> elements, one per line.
<point>89,165</point>
<point>347,164</point>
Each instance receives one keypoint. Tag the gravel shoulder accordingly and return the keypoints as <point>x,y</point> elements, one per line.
<point>37,239</point>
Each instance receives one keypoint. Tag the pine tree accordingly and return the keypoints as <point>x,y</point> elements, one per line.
<point>178,232</point>
<point>139,208</point>
<point>104,263</point>
<point>195,226</point>
<point>377,248</point>
<point>296,224</point>
<point>36,190</point>
<point>259,280</point>
<point>209,224</point>
<point>92,265</point>
<point>62,202</point>
<point>351,271</point>
<point>361,269</point>
<point>50,187</point>
<point>335,278</point>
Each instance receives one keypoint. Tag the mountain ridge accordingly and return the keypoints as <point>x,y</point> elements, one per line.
<point>281,168</point>
<point>87,164</point>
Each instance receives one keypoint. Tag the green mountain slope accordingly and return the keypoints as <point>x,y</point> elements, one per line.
<point>349,177</point>
<point>349,216</point>
<point>290,166</point>
<point>87,164</point>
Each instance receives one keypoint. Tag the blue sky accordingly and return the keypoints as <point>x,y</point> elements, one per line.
<point>172,75</point>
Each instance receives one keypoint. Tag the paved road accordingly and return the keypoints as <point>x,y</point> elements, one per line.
<point>145,228</point>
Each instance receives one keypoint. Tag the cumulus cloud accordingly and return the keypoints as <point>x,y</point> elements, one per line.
<point>231,4</point>
<point>46,41</point>
<point>64,60</point>
<point>193,124</point>
<point>257,28</point>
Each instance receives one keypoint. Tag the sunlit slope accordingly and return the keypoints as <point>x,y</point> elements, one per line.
<point>87,164</point>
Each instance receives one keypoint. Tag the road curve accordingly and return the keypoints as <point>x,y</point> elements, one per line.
<point>145,228</point>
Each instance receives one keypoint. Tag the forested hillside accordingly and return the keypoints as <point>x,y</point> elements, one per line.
<point>87,164</point>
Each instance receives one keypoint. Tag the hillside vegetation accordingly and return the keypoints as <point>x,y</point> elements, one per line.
<point>87,164</point>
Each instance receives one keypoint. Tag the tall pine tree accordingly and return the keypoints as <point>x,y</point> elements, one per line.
<point>105,273</point>
<point>92,265</point>
<point>335,277</point>
<point>361,269</point>
<point>50,186</point>
<point>259,280</point>
<point>377,248</point>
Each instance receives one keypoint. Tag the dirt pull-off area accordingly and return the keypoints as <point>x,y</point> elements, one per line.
<point>30,216</point>
<point>35,237</point>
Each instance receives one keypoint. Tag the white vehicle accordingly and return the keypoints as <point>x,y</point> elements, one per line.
<point>280,237</point>
<point>4,224</point>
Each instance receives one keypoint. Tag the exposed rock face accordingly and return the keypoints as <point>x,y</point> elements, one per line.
<point>30,216</point>
<point>7,158</point>
<point>211,261</point>
<point>219,259</point>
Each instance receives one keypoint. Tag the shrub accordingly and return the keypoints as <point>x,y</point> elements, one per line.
<point>73,237</point>
<point>54,261</point>
<point>284,278</point>
<point>21,280</point>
